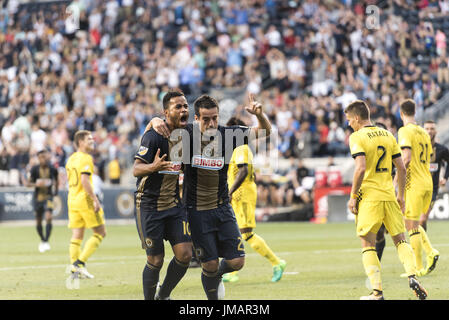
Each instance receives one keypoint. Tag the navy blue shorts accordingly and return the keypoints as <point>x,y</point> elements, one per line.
<point>215,233</point>
<point>156,226</point>
<point>40,207</point>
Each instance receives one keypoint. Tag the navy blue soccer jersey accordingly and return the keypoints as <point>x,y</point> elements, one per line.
<point>159,190</point>
<point>205,172</point>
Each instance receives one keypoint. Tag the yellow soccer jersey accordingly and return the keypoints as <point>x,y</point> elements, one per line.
<point>379,148</point>
<point>418,172</point>
<point>77,164</point>
<point>242,155</point>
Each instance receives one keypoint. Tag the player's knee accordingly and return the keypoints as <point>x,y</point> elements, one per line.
<point>237,263</point>
<point>185,256</point>
<point>210,267</point>
<point>101,231</point>
<point>157,261</point>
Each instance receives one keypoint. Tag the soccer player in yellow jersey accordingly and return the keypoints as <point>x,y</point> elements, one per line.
<point>416,152</point>
<point>84,207</point>
<point>243,195</point>
<point>373,198</point>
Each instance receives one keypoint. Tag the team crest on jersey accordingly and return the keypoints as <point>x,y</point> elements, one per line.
<point>142,151</point>
<point>148,242</point>
<point>207,163</point>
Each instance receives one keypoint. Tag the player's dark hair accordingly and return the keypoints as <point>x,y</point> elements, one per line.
<point>430,121</point>
<point>204,101</point>
<point>234,121</point>
<point>169,95</point>
<point>359,108</point>
<point>79,136</point>
<point>408,107</point>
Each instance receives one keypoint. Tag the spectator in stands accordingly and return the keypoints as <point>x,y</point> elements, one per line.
<point>110,72</point>
<point>298,189</point>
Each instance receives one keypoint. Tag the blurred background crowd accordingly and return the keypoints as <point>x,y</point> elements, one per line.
<point>106,65</point>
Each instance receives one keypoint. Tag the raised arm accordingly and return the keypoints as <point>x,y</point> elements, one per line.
<point>255,108</point>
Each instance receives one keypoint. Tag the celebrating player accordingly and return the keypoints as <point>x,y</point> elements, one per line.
<point>84,207</point>
<point>159,213</point>
<point>416,152</point>
<point>44,178</point>
<point>373,198</point>
<point>215,232</point>
<point>243,195</point>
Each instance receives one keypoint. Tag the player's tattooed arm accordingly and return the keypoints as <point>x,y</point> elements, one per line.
<point>359,173</point>
<point>400,177</point>
<point>159,126</point>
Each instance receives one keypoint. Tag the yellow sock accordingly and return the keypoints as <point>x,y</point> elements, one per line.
<point>407,257</point>
<point>371,264</point>
<point>260,246</point>
<point>416,243</point>
<point>75,249</point>
<point>90,247</point>
<point>425,241</point>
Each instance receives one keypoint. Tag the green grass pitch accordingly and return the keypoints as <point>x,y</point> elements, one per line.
<point>324,262</point>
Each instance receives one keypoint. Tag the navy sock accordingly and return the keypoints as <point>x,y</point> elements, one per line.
<point>175,271</point>
<point>48,228</point>
<point>40,231</point>
<point>210,284</point>
<point>150,277</point>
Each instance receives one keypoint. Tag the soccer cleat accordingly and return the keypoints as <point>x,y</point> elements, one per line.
<point>157,297</point>
<point>82,271</point>
<point>230,277</point>
<point>41,247</point>
<point>373,296</point>
<point>221,291</point>
<point>417,288</point>
<point>278,270</point>
<point>47,246</point>
<point>432,259</point>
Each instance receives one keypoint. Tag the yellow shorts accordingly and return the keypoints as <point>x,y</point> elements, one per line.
<point>373,213</point>
<point>245,213</point>
<point>417,202</point>
<point>85,218</point>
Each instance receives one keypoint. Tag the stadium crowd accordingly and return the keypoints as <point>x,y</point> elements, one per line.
<point>304,60</point>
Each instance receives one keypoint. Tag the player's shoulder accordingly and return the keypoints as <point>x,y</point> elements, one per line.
<point>152,135</point>
<point>405,130</point>
<point>356,135</point>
